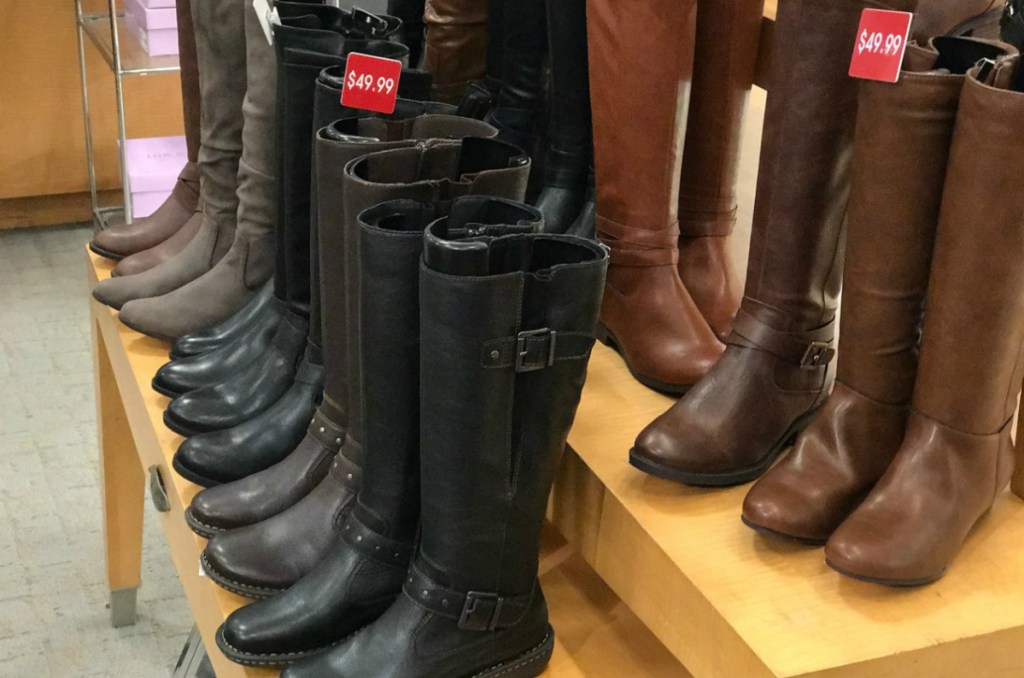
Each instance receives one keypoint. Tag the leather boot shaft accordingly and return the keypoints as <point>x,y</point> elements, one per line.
<point>524,52</point>
<point>456,45</point>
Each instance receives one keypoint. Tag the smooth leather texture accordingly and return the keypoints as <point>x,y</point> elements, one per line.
<point>569,150</point>
<point>364,569</point>
<point>260,442</point>
<point>248,392</point>
<point>957,455</point>
<point>225,332</point>
<point>893,214</point>
<point>182,376</point>
<point>638,88</point>
<point>488,452</point>
<point>123,240</point>
<point>412,32</point>
<point>270,556</point>
<point>221,53</point>
<point>456,43</point>
<point>776,372</point>
<point>725,58</point>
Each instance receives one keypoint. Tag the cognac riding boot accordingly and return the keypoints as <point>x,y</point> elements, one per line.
<point>480,95</point>
<point>136,239</point>
<point>500,383</point>
<point>775,373</point>
<point>637,89</point>
<point>221,52</point>
<point>270,556</point>
<point>456,45</point>
<point>283,433</point>
<point>569,153</point>
<point>725,57</point>
<point>893,213</point>
<point>957,455</point>
<point>363,571</point>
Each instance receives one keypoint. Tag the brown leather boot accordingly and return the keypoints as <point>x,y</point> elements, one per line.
<point>637,90</point>
<point>456,45</point>
<point>725,57</point>
<point>974,18</point>
<point>893,213</point>
<point>957,456</point>
<point>158,254</point>
<point>125,240</point>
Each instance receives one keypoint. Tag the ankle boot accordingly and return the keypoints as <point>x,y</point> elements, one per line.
<point>957,455</point>
<point>177,210</point>
<point>220,48</point>
<point>893,213</point>
<point>500,386</point>
<point>778,363</point>
<point>456,45</point>
<point>647,314</point>
<point>569,153</point>
<point>725,57</point>
<point>270,556</point>
<point>363,571</point>
<point>269,437</point>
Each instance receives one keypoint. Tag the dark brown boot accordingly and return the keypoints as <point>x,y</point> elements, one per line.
<point>725,57</point>
<point>175,212</point>
<point>637,91</point>
<point>894,210</point>
<point>957,455</point>
<point>456,45</point>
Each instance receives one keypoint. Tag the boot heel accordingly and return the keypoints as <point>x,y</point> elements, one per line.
<point>985,26</point>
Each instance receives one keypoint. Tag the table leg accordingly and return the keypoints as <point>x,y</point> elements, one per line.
<point>123,483</point>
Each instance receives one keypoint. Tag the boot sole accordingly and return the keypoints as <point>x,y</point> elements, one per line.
<point>106,254</point>
<point>199,527</point>
<point>899,583</point>
<point>782,536</point>
<point>527,665</point>
<point>266,660</point>
<point>247,590</point>
<point>606,337</point>
<point>726,478</point>
<point>191,476</point>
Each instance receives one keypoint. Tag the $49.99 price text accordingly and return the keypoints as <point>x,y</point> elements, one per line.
<point>879,43</point>
<point>368,83</point>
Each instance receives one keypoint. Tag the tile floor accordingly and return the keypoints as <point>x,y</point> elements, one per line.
<point>53,595</point>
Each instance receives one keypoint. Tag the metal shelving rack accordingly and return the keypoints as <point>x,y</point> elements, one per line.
<point>108,33</point>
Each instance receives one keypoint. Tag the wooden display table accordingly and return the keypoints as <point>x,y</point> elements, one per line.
<point>728,602</point>
<point>597,635</point>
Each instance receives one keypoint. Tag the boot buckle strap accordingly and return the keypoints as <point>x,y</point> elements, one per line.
<point>530,353</point>
<point>481,612</point>
<point>818,354</point>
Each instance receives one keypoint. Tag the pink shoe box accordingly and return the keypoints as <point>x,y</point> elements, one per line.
<point>156,29</point>
<point>153,166</point>
<point>157,4</point>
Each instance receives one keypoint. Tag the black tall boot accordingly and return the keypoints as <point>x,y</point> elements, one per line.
<point>570,151</point>
<point>270,556</point>
<point>269,492</point>
<point>412,33</point>
<point>506,331</point>
<point>363,571</point>
<point>481,95</point>
<point>223,332</point>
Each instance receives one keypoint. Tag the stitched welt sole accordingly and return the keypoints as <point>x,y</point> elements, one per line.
<point>528,665</point>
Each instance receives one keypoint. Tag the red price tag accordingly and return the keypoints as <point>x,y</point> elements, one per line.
<point>371,83</point>
<point>881,41</point>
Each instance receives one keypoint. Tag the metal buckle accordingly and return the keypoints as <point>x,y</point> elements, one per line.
<point>474,601</point>
<point>818,353</point>
<point>522,351</point>
<point>376,25</point>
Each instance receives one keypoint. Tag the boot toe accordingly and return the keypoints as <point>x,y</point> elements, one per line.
<point>196,413</point>
<point>239,559</point>
<point>135,264</point>
<point>872,555</point>
<point>198,460</point>
<point>779,510</point>
<point>214,508</point>
<point>114,292</point>
<point>151,317</point>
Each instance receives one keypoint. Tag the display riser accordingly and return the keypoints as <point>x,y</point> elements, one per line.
<point>731,603</point>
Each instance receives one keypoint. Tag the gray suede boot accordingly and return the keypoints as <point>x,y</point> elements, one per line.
<point>220,46</point>
<point>235,279</point>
